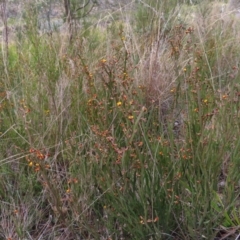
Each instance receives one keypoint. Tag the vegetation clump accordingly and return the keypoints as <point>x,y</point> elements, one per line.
<point>121,127</point>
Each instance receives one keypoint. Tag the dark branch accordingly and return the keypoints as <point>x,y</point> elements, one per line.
<point>82,6</point>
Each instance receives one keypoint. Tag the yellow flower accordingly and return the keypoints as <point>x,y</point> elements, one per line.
<point>68,190</point>
<point>119,104</point>
<point>205,101</point>
<point>103,60</point>
<point>130,117</point>
<point>30,164</point>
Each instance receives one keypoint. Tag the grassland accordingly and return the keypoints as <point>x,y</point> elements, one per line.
<point>128,131</point>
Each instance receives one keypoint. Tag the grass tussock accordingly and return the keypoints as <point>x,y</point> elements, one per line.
<point>129,131</point>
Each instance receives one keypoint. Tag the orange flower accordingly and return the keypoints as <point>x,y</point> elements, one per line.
<point>224,96</point>
<point>31,150</point>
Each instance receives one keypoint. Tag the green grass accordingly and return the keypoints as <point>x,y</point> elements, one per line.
<point>89,144</point>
